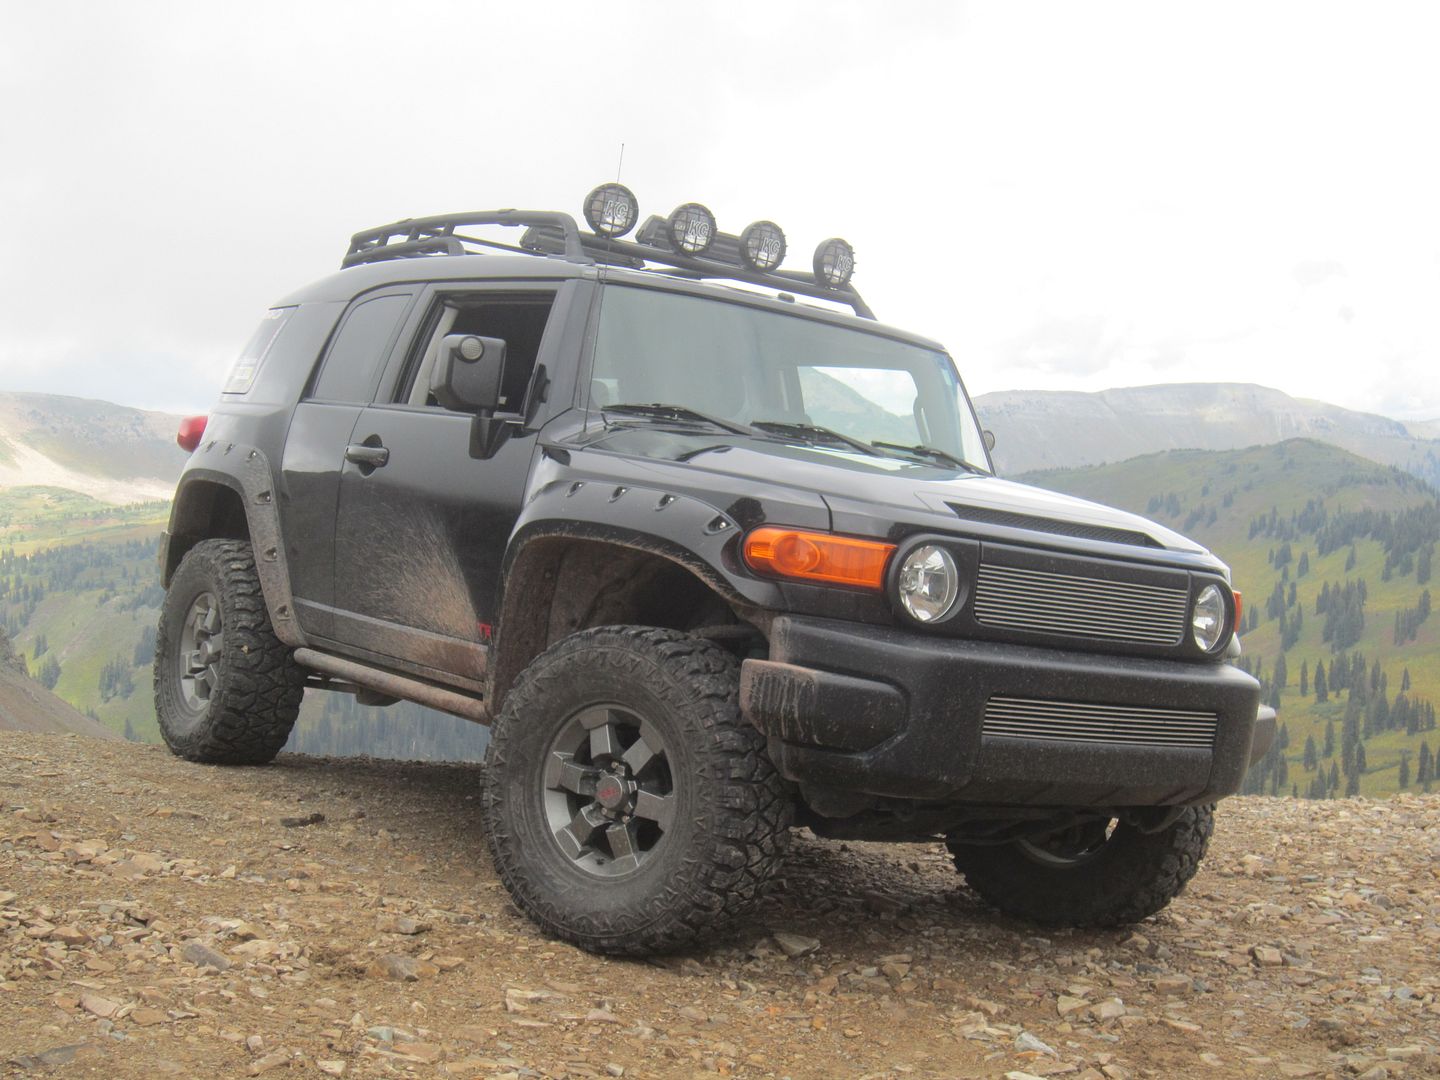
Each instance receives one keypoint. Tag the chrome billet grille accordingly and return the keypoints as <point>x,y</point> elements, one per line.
<point>1078,721</point>
<point>1075,606</point>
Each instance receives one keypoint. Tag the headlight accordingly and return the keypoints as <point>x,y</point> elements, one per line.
<point>928,583</point>
<point>1207,621</point>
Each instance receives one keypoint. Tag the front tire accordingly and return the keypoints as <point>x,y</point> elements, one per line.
<point>628,806</point>
<point>227,690</point>
<point>1092,875</point>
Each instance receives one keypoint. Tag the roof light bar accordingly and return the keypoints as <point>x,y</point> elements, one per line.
<point>692,229</point>
<point>762,246</point>
<point>611,210</point>
<point>834,262</point>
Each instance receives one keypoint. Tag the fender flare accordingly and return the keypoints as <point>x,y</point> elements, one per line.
<point>246,471</point>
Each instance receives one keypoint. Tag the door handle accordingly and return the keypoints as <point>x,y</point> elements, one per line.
<point>367,457</point>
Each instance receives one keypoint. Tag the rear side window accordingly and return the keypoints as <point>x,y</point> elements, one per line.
<point>242,375</point>
<point>353,363</point>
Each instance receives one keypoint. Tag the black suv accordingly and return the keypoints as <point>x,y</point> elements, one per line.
<point>711,560</point>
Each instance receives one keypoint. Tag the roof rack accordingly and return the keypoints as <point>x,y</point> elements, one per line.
<point>551,233</point>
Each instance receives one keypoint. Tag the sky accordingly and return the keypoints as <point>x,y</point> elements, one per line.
<point>1068,196</point>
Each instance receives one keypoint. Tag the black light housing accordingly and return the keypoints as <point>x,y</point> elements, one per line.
<point>834,263</point>
<point>762,245</point>
<point>611,210</point>
<point>692,229</point>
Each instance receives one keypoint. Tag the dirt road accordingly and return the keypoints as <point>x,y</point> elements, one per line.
<point>341,918</point>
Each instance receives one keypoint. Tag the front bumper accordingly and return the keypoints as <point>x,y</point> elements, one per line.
<point>867,710</point>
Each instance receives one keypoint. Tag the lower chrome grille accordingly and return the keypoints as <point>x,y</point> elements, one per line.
<point>1078,721</point>
<point>1072,605</point>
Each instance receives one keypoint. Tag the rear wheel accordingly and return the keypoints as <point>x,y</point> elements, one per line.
<point>628,806</point>
<point>1099,873</point>
<point>227,690</point>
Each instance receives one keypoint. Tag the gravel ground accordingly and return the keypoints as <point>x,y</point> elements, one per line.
<point>341,918</point>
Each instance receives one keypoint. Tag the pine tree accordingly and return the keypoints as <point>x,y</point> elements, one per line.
<point>1322,695</point>
<point>1282,673</point>
<point>1304,678</point>
<point>1312,756</point>
<point>1329,739</point>
<point>1360,763</point>
<point>1334,784</point>
<point>1425,770</point>
<point>1404,769</point>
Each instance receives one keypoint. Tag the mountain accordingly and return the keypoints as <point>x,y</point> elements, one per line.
<point>1044,429</point>
<point>1334,556</point>
<point>109,452</point>
<point>25,705</point>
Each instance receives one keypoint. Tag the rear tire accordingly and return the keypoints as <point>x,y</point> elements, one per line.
<point>227,690</point>
<point>628,806</point>
<point>1089,876</point>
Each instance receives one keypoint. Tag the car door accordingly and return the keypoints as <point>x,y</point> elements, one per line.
<point>422,526</point>
<point>344,382</point>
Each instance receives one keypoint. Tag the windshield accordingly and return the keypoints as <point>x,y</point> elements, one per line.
<point>747,365</point>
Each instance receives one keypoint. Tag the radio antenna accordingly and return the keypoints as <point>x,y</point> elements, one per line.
<point>602,271</point>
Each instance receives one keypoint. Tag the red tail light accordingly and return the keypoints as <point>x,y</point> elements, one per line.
<point>192,430</point>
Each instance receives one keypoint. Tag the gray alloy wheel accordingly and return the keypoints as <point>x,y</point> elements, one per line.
<point>609,795</point>
<point>202,639</point>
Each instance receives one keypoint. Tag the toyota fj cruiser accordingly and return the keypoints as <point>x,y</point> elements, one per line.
<point>710,560</point>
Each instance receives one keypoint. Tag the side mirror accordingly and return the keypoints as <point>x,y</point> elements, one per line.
<point>469,374</point>
<point>989,437</point>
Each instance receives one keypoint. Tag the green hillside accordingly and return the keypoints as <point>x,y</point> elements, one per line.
<point>1299,522</point>
<point>80,597</point>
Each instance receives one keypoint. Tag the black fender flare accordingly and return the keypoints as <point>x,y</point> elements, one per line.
<point>685,530</point>
<point>246,471</point>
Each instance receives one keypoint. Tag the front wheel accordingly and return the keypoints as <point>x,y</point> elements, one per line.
<point>629,807</point>
<point>1100,873</point>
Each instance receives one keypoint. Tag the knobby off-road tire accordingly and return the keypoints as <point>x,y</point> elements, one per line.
<point>1111,882</point>
<point>628,806</point>
<point>227,690</point>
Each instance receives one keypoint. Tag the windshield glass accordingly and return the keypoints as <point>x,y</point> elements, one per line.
<point>747,365</point>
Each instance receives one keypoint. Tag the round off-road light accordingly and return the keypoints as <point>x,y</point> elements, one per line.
<point>611,210</point>
<point>762,245</point>
<point>692,229</point>
<point>928,583</point>
<point>834,262</point>
<point>1207,621</point>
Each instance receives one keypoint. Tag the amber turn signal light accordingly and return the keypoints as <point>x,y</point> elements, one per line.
<point>808,556</point>
<point>1239,607</point>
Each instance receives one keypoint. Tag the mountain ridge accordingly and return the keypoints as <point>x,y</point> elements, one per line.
<point>1050,429</point>
<point>110,452</point>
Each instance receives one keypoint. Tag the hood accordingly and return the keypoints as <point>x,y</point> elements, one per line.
<point>868,495</point>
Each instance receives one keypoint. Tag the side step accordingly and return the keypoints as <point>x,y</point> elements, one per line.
<point>401,686</point>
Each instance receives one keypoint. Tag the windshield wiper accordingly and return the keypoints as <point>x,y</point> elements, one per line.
<point>934,453</point>
<point>679,412</point>
<point>786,427</point>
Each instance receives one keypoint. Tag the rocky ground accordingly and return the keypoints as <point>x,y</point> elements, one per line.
<point>341,918</point>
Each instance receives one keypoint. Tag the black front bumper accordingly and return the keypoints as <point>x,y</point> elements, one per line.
<point>863,709</point>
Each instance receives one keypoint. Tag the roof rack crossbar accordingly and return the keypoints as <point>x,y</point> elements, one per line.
<point>366,246</point>
<point>554,233</point>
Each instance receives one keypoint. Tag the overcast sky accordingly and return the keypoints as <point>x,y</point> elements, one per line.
<point>1069,196</point>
